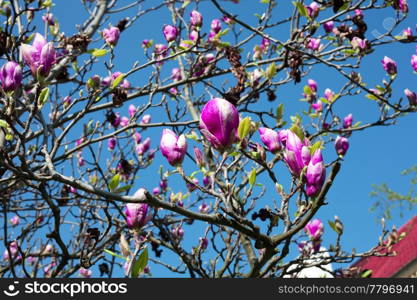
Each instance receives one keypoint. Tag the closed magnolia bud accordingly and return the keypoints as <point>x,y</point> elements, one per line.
<point>341,145</point>
<point>348,121</point>
<point>199,158</point>
<point>112,144</point>
<point>173,147</point>
<point>219,121</point>
<point>414,62</point>
<point>412,97</point>
<point>132,110</point>
<point>315,174</point>
<point>170,33</point>
<point>176,74</point>
<point>296,154</point>
<point>177,232</point>
<point>111,35</point>
<point>328,26</point>
<point>10,76</point>
<point>85,273</point>
<point>314,229</point>
<point>15,221</point>
<point>196,19</point>
<point>389,65</point>
<point>137,214</point>
<point>216,26</point>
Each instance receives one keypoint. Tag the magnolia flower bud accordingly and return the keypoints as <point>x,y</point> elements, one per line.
<point>328,26</point>
<point>347,121</point>
<point>112,143</point>
<point>219,121</point>
<point>314,44</point>
<point>314,229</point>
<point>199,157</point>
<point>170,33</point>
<point>390,66</point>
<point>412,97</point>
<point>216,26</point>
<point>271,139</point>
<point>341,145</point>
<point>137,214</point>
<point>111,35</point>
<point>414,62</point>
<point>296,154</point>
<point>86,273</point>
<point>173,147</point>
<point>10,76</point>
<point>196,19</point>
<point>15,220</point>
<point>315,174</point>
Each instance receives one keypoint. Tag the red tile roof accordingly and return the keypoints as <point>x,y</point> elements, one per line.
<point>406,249</point>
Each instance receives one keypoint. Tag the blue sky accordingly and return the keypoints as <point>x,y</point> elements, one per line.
<point>375,156</point>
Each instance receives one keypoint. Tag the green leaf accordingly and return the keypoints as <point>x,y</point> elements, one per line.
<point>333,226</point>
<point>280,112</point>
<point>252,177</point>
<point>301,8</point>
<point>3,124</point>
<point>43,97</point>
<point>185,4</point>
<point>123,188</point>
<point>372,97</point>
<point>114,254</point>
<point>223,32</point>
<point>117,81</point>
<point>298,131</point>
<point>114,182</point>
<point>98,52</point>
<point>271,71</point>
<point>315,147</point>
<point>140,264</point>
<point>349,51</point>
<point>307,90</point>
<point>244,128</point>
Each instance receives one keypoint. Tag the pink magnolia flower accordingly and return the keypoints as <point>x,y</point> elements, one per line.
<point>132,110</point>
<point>15,220</point>
<point>196,19</point>
<point>216,26</point>
<point>173,147</point>
<point>137,214</point>
<point>314,44</point>
<point>414,62</point>
<point>271,139</point>
<point>146,119</point>
<point>40,56</point>
<point>315,174</point>
<point>86,273</point>
<point>390,66</point>
<point>170,33</point>
<point>412,97</point>
<point>348,121</point>
<point>10,76</point>
<point>328,26</point>
<point>314,229</point>
<point>111,144</point>
<point>111,35</point>
<point>341,145</point>
<point>296,154</point>
<point>219,121</point>
<point>176,74</point>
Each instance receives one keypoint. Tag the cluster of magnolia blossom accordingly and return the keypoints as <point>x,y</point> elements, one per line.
<point>219,122</point>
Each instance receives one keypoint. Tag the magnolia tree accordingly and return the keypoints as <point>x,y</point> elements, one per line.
<point>238,180</point>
